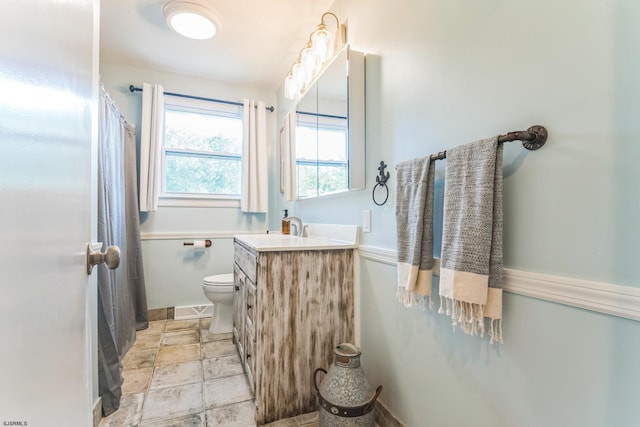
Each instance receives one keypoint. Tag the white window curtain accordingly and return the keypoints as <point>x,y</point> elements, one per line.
<point>255,176</point>
<point>289,153</point>
<point>151,136</point>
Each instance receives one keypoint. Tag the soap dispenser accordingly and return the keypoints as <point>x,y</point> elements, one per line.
<point>285,223</point>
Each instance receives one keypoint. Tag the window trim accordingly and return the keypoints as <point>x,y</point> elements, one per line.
<point>185,200</point>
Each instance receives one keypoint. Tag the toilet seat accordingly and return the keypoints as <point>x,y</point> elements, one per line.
<point>219,280</point>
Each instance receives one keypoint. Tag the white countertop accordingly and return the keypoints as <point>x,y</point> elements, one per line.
<point>280,242</point>
<point>321,237</point>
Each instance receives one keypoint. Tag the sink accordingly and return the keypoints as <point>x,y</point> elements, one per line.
<point>320,237</point>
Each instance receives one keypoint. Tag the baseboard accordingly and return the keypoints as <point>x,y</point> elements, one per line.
<point>181,313</point>
<point>615,300</point>
<point>97,412</point>
<point>384,417</point>
<point>164,313</point>
<point>193,312</point>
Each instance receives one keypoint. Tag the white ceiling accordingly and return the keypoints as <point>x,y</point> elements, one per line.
<point>256,45</point>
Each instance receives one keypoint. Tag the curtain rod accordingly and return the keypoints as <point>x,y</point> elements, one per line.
<point>329,116</point>
<point>532,139</point>
<point>132,88</point>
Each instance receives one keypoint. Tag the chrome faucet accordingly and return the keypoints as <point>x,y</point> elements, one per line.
<point>297,222</point>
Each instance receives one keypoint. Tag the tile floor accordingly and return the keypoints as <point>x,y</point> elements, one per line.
<point>179,374</point>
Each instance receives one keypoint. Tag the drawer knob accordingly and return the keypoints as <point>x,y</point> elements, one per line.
<point>237,288</point>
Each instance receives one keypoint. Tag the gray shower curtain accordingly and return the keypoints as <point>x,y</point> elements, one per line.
<point>122,301</point>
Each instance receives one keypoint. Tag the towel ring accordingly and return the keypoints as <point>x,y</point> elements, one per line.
<point>381,181</point>
<point>386,197</point>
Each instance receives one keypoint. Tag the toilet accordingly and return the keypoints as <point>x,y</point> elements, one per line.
<point>219,290</point>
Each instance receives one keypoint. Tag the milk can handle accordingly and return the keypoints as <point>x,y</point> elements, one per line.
<point>367,408</point>
<point>315,378</point>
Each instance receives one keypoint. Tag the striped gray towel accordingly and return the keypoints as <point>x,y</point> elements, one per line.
<point>471,258</point>
<point>414,224</point>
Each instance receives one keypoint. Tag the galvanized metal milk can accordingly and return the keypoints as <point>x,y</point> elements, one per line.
<point>346,397</point>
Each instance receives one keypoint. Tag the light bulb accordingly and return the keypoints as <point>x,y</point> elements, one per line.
<point>299,74</point>
<point>291,89</point>
<point>288,86</point>
<point>322,43</point>
<point>309,60</point>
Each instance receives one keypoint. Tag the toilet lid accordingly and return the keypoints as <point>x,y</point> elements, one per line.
<point>219,279</point>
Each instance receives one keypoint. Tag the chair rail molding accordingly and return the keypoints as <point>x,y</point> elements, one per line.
<point>616,300</point>
<point>179,235</point>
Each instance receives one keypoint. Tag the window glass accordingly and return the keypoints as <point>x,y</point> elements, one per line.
<point>202,151</point>
<point>321,154</point>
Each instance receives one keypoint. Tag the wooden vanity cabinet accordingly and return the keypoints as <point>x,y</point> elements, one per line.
<point>291,308</point>
<point>244,277</point>
<point>239,313</point>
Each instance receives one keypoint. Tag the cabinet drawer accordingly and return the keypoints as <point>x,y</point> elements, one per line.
<point>246,260</point>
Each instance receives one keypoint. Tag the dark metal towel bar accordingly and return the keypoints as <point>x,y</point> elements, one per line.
<point>532,139</point>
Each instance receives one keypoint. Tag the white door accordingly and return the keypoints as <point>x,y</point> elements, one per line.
<point>48,100</point>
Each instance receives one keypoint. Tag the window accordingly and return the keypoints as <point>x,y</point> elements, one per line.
<point>202,153</point>
<point>321,154</point>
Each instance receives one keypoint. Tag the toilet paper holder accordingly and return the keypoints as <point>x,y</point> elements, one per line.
<point>207,243</point>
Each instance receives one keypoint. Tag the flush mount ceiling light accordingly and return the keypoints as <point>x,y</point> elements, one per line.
<point>322,47</point>
<point>191,19</point>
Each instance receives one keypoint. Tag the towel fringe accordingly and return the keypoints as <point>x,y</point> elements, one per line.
<point>496,331</point>
<point>470,318</point>
<point>404,296</point>
<point>410,298</point>
<point>424,301</point>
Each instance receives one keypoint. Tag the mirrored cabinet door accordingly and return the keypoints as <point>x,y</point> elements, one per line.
<point>330,129</point>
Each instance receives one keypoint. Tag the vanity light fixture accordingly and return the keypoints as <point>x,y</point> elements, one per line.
<point>192,19</point>
<point>320,50</point>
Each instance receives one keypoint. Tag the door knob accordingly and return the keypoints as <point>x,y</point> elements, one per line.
<point>111,256</point>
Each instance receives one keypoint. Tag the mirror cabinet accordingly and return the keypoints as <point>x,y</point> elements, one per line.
<point>330,129</point>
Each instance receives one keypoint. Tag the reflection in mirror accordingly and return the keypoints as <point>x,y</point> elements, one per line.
<point>322,134</point>
<point>330,130</point>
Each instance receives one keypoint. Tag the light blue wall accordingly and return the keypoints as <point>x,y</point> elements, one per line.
<point>442,73</point>
<point>173,272</point>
